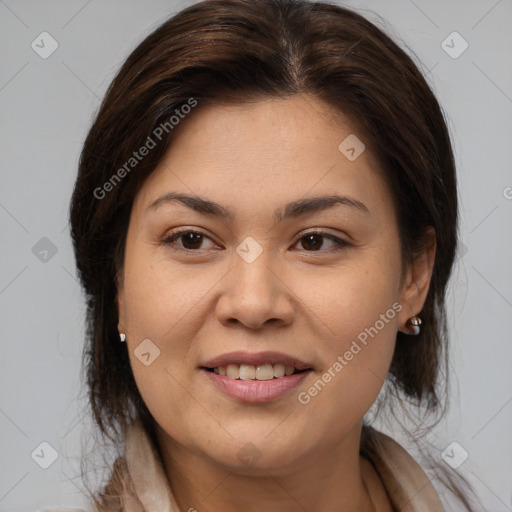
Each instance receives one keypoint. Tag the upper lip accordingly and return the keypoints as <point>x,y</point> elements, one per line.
<point>256,359</point>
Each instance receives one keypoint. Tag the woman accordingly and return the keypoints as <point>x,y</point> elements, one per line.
<point>264,223</point>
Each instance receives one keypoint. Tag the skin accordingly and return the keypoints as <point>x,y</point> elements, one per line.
<point>312,304</point>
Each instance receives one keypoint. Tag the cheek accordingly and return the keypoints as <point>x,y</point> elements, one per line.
<point>346,300</point>
<point>160,294</point>
<point>356,366</point>
<point>161,322</point>
<point>355,310</point>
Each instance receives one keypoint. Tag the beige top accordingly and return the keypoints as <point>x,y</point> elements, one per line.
<point>145,487</point>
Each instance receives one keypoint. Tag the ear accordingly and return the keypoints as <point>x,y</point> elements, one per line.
<point>417,280</point>
<point>121,304</point>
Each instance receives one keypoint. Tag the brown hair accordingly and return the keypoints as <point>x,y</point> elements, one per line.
<point>244,50</point>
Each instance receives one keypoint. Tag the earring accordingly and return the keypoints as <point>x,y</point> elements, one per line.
<point>413,325</point>
<point>122,336</point>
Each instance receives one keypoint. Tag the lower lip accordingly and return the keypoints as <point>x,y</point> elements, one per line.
<point>256,390</point>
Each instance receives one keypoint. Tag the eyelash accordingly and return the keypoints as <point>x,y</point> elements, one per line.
<point>169,240</point>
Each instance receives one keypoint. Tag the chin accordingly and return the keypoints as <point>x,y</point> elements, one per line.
<point>259,457</point>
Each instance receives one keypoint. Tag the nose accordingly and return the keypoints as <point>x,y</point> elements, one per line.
<point>256,294</point>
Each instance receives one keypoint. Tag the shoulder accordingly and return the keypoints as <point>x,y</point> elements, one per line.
<point>407,484</point>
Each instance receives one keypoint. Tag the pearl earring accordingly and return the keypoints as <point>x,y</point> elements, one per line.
<point>122,336</point>
<point>413,325</point>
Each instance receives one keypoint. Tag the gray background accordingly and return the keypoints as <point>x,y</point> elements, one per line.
<point>46,109</point>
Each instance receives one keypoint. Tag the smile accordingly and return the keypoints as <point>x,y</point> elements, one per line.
<point>252,372</point>
<point>255,376</point>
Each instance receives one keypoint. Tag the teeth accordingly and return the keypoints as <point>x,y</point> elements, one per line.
<point>251,372</point>
<point>247,372</point>
<point>264,372</point>
<point>233,371</point>
<point>279,370</point>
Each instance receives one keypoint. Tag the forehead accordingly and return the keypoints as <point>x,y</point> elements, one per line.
<point>266,152</point>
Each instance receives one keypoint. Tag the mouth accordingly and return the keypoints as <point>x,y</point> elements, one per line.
<point>255,377</point>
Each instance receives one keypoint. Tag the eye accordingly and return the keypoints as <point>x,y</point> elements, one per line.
<point>190,240</point>
<point>313,241</point>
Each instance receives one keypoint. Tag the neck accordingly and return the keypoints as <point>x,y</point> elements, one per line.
<point>334,479</point>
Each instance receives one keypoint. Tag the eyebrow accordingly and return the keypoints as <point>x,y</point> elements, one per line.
<point>289,210</point>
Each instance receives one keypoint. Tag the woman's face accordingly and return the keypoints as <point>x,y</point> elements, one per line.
<point>259,281</point>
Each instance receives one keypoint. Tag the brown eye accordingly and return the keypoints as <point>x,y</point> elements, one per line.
<point>314,241</point>
<point>190,240</point>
